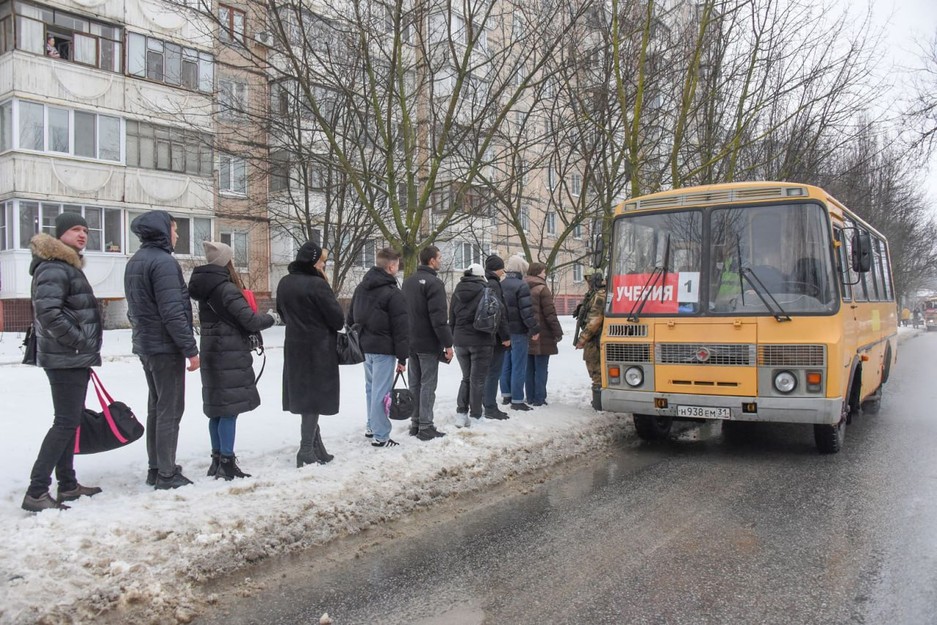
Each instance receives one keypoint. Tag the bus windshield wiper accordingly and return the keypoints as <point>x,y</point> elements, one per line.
<point>660,271</point>
<point>761,291</point>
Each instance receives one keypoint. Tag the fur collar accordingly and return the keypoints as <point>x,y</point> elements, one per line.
<point>47,247</point>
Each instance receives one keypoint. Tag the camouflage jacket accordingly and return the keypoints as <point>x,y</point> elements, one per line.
<point>591,316</point>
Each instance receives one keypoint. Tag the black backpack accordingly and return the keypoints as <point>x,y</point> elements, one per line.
<point>488,313</point>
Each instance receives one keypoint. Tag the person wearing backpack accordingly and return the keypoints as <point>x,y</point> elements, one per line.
<point>494,272</point>
<point>540,350</point>
<point>473,347</point>
<point>228,382</point>
<point>523,327</point>
<point>430,339</point>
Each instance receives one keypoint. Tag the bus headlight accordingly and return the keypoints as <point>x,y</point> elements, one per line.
<point>634,376</point>
<point>785,382</point>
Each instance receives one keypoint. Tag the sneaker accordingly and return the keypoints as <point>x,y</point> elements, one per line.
<point>520,407</point>
<point>42,502</point>
<point>151,475</point>
<point>368,433</point>
<point>414,429</point>
<point>506,400</point>
<point>462,421</point>
<point>539,403</point>
<point>175,481</point>
<point>494,413</point>
<point>78,491</point>
<point>429,433</point>
<point>388,443</point>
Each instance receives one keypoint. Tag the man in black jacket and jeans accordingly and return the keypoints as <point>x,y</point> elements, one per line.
<point>160,313</point>
<point>68,344</point>
<point>430,339</point>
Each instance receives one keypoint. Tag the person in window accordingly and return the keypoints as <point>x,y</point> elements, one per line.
<point>51,50</point>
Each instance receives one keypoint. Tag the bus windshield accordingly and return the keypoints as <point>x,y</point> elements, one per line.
<point>756,260</point>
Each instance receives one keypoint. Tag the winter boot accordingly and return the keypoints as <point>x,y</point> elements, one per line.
<point>597,396</point>
<point>322,456</point>
<point>42,502</point>
<point>78,491</point>
<point>213,467</point>
<point>228,468</point>
<point>307,452</point>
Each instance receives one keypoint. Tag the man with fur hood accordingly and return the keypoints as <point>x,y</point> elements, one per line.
<point>160,314</point>
<point>68,343</point>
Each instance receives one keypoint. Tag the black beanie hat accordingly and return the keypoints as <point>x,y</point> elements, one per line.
<point>494,263</point>
<point>66,221</point>
<point>309,253</point>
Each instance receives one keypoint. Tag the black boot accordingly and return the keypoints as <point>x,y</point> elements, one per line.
<point>228,468</point>
<point>307,451</point>
<point>322,456</point>
<point>597,396</point>
<point>213,467</point>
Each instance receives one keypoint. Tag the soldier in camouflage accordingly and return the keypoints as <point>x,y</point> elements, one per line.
<point>590,315</point>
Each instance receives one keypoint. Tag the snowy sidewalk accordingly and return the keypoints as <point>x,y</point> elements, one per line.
<point>133,546</point>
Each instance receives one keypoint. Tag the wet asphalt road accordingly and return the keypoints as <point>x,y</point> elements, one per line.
<point>696,530</point>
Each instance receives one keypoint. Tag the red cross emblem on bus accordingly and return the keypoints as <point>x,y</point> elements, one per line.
<point>702,354</point>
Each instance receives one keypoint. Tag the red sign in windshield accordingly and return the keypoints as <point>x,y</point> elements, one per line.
<point>664,294</point>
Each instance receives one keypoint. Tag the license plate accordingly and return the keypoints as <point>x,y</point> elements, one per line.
<point>703,412</point>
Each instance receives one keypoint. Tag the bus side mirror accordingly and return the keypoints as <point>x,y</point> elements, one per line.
<point>598,245</point>
<point>861,252</point>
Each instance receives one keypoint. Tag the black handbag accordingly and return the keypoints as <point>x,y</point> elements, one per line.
<point>401,401</point>
<point>348,346</point>
<point>113,427</point>
<point>29,346</point>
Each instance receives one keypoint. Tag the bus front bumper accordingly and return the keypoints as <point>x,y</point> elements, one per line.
<point>769,409</point>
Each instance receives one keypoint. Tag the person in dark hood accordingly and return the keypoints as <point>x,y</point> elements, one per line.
<point>379,306</point>
<point>228,382</point>
<point>494,272</point>
<point>523,327</point>
<point>307,305</point>
<point>472,346</point>
<point>160,314</point>
<point>68,343</point>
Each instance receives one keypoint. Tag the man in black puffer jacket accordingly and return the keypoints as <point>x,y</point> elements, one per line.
<point>430,339</point>
<point>380,308</point>
<point>473,347</point>
<point>160,313</point>
<point>68,344</point>
<point>494,272</point>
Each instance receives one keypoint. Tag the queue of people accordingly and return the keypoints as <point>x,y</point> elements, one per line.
<point>415,326</point>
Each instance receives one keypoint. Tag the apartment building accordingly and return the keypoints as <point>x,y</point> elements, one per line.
<point>105,110</point>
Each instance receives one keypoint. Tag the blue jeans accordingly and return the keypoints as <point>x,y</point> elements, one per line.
<point>490,396</point>
<point>514,371</point>
<point>379,372</point>
<point>423,375</point>
<point>537,378</point>
<point>221,430</point>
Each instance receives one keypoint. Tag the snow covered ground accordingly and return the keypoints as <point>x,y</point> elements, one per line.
<point>148,551</point>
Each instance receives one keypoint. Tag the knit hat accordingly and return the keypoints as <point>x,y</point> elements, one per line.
<point>309,253</point>
<point>217,253</point>
<point>494,263</point>
<point>475,270</point>
<point>66,221</point>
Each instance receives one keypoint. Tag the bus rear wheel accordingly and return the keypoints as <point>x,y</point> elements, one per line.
<point>651,427</point>
<point>829,438</point>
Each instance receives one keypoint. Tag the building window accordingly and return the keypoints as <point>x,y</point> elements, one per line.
<point>238,243</point>
<point>64,36</point>
<point>6,126</point>
<point>550,223</point>
<point>232,175</point>
<point>64,131</point>
<point>232,99</point>
<point>6,225</point>
<point>551,177</point>
<point>169,63</point>
<point>577,231</point>
<point>367,255</point>
<point>524,218</point>
<point>576,184</point>
<point>192,231</point>
<point>232,24</point>
<point>105,225</point>
<point>279,170</point>
<point>468,253</point>
<point>168,149</point>
<point>577,272</point>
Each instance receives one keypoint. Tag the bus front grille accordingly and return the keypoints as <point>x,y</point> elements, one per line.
<point>631,329</point>
<point>627,352</point>
<point>724,354</point>
<point>792,355</point>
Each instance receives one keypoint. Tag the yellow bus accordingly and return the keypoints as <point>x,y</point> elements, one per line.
<point>763,301</point>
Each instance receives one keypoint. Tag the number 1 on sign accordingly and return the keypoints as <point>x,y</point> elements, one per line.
<point>688,292</point>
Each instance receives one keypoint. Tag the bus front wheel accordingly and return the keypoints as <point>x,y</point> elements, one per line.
<point>829,438</point>
<point>652,427</point>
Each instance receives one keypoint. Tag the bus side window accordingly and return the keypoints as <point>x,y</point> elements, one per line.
<point>841,265</point>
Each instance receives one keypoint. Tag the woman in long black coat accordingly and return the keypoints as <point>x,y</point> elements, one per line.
<point>312,315</point>
<point>228,382</point>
